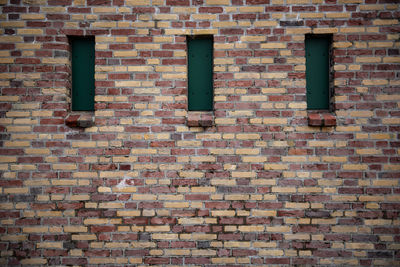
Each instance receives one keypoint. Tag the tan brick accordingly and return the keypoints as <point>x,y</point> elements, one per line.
<point>273,45</point>
<point>223,213</point>
<point>76,229</point>
<point>84,237</point>
<point>162,228</point>
<point>35,229</point>
<point>385,22</point>
<point>223,260</point>
<point>49,245</point>
<point>33,261</point>
<point>359,246</point>
<point>253,228</point>
<point>271,252</point>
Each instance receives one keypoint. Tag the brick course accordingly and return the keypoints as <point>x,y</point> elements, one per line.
<point>135,183</point>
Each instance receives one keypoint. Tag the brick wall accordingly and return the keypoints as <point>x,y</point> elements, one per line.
<point>139,186</point>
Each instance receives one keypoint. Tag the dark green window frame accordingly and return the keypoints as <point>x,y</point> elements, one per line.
<point>83,80</point>
<point>318,49</point>
<point>200,72</point>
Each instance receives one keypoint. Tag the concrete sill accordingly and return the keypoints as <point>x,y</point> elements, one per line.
<point>80,119</point>
<point>200,119</point>
<point>321,118</point>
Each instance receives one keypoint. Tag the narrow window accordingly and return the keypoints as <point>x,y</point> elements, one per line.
<point>200,73</point>
<point>318,71</point>
<point>83,59</point>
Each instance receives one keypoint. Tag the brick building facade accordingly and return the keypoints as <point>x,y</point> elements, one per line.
<point>258,180</point>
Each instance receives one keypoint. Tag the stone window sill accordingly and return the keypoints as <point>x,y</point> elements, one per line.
<point>200,118</point>
<point>321,118</point>
<point>80,119</point>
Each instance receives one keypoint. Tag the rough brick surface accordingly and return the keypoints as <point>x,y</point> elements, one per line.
<point>134,184</point>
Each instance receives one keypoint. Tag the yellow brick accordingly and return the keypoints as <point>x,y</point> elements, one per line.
<point>277,189</point>
<point>203,189</point>
<point>254,159</point>
<point>161,228</point>
<point>205,31</point>
<point>297,236</point>
<point>359,246</point>
<point>324,30</point>
<point>238,174</point>
<point>309,190</point>
<point>16,143</point>
<point>321,143</point>
<point>35,229</point>
<point>251,228</point>
<point>388,97</point>
<point>13,238</point>
<point>338,15</point>
<point>236,244</point>
<point>84,237</point>
<point>60,60</point>
<point>117,245</point>
<point>371,7</point>
<point>104,24</point>
<point>312,15</point>
<point>391,59</point>
<point>265,23</point>
<point>95,221</point>
<point>368,59</point>
<point>251,38</point>
<point>344,229</point>
<point>380,44</point>
<point>246,75</point>
<point>223,213</point>
<point>191,221</point>
<point>271,252</point>
<point>391,167</point>
<point>389,183</point>
<point>127,83</point>
<point>176,205</point>
<point>273,45</point>
<point>164,236</point>
<point>75,229</point>
<point>278,229</point>
<point>55,245</point>
<point>16,190</point>
<point>348,128</point>
<point>263,213</point>
<point>378,222</point>
<point>275,121</point>
<point>236,197</point>
<point>355,166</point>
<point>144,151</point>
<point>223,260</point>
<point>30,32</point>
<point>226,182</point>
<point>4,159</point>
<point>368,151</point>
<point>33,261</point>
<point>49,214</point>
<point>334,159</point>
<point>294,159</point>
<point>385,22</point>
<point>247,151</point>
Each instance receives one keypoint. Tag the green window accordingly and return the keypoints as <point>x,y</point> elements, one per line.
<point>83,58</point>
<point>200,73</point>
<point>318,71</point>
